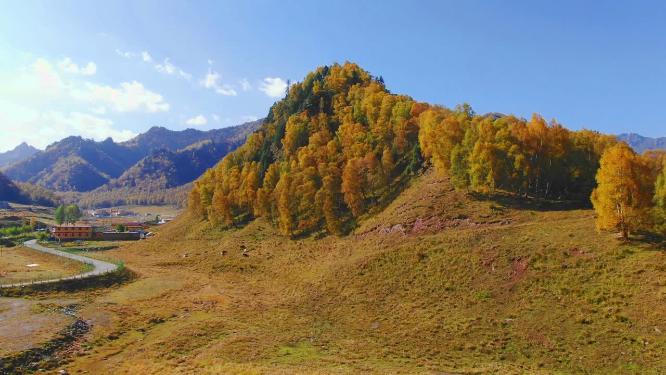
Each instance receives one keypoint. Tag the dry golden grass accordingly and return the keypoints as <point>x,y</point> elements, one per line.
<point>14,265</point>
<point>460,285</point>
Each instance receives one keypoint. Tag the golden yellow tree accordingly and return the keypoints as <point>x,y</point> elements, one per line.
<point>623,195</point>
<point>352,186</point>
<point>660,202</point>
<point>221,211</point>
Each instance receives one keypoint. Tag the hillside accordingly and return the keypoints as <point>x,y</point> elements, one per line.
<point>9,191</point>
<point>25,193</point>
<point>641,143</point>
<point>439,281</point>
<point>167,169</point>
<point>77,164</point>
<point>20,152</point>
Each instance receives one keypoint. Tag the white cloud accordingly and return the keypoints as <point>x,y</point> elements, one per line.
<point>41,86</point>
<point>165,67</point>
<point>213,81</point>
<point>216,117</point>
<point>98,110</point>
<point>125,54</point>
<point>20,124</point>
<point>274,87</point>
<point>130,96</point>
<point>245,84</point>
<point>199,120</point>
<point>42,76</point>
<point>67,65</point>
<point>170,69</point>
<point>145,56</point>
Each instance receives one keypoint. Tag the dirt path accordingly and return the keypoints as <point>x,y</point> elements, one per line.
<point>100,267</point>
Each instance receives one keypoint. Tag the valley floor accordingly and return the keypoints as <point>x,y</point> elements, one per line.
<point>437,282</point>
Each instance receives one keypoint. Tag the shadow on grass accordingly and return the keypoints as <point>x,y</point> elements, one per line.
<point>529,203</point>
<point>107,280</point>
<point>656,241</point>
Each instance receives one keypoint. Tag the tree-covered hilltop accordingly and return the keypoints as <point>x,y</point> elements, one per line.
<point>340,144</point>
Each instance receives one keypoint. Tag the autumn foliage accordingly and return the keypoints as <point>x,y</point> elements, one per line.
<point>336,146</point>
<point>340,145</point>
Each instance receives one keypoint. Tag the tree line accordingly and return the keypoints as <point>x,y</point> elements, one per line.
<point>340,145</point>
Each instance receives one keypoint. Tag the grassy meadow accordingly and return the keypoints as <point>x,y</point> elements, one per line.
<point>437,282</point>
<point>14,263</point>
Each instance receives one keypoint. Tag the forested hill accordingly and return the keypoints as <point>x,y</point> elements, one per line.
<point>77,164</point>
<point>25,193</point>
<point>166,169</point>
<point>340,145</point>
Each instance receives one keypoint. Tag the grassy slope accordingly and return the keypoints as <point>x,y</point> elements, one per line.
<point>453,284</point>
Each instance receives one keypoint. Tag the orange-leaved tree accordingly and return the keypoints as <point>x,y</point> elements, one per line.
<point>660,202</point>
<point>623,195</point>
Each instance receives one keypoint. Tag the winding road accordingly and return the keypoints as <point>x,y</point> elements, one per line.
<point>100,267</point>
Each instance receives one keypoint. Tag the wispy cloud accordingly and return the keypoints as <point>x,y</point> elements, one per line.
<point>213,81</point>
<point>128,97</point>
<point>40,85</point>
<point>67,65</point>
<point>245,84</point>
<point>145,56</point>
<point>199,120</point>
<point>27,125</point>
<point>168,68</point>
<point>125,54</point>
<point>165,67</point>
<point>274,87</point>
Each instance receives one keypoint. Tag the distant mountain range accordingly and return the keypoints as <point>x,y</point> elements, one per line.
<point>20,152</point>
<point>640,143</point>
<point>159,157</point>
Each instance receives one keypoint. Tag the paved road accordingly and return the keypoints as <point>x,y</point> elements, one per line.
<point>99,266</point>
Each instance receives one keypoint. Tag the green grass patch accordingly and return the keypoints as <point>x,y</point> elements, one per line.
<point>302,352</point>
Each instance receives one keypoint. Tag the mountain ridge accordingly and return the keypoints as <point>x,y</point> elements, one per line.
<point>18,153</point>
<point>78,164</point>
<point>642,143</point>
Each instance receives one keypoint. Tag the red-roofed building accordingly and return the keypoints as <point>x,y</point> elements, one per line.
<point>134,227</point>
<point>69,232</point>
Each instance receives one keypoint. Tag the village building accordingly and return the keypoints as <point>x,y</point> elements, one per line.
<point>71,232</point>
<point>135,227</point>
<point>118,236</point>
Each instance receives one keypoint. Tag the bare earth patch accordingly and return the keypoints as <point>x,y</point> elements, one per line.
<point>25,324</point>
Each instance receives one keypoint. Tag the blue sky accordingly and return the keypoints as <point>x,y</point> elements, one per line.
<point>116,68</point>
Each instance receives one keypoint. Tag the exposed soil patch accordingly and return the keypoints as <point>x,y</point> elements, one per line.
<point>27,323</point>
<point>431,224</point>
<point>50,354</point>
<point>518,269</point>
